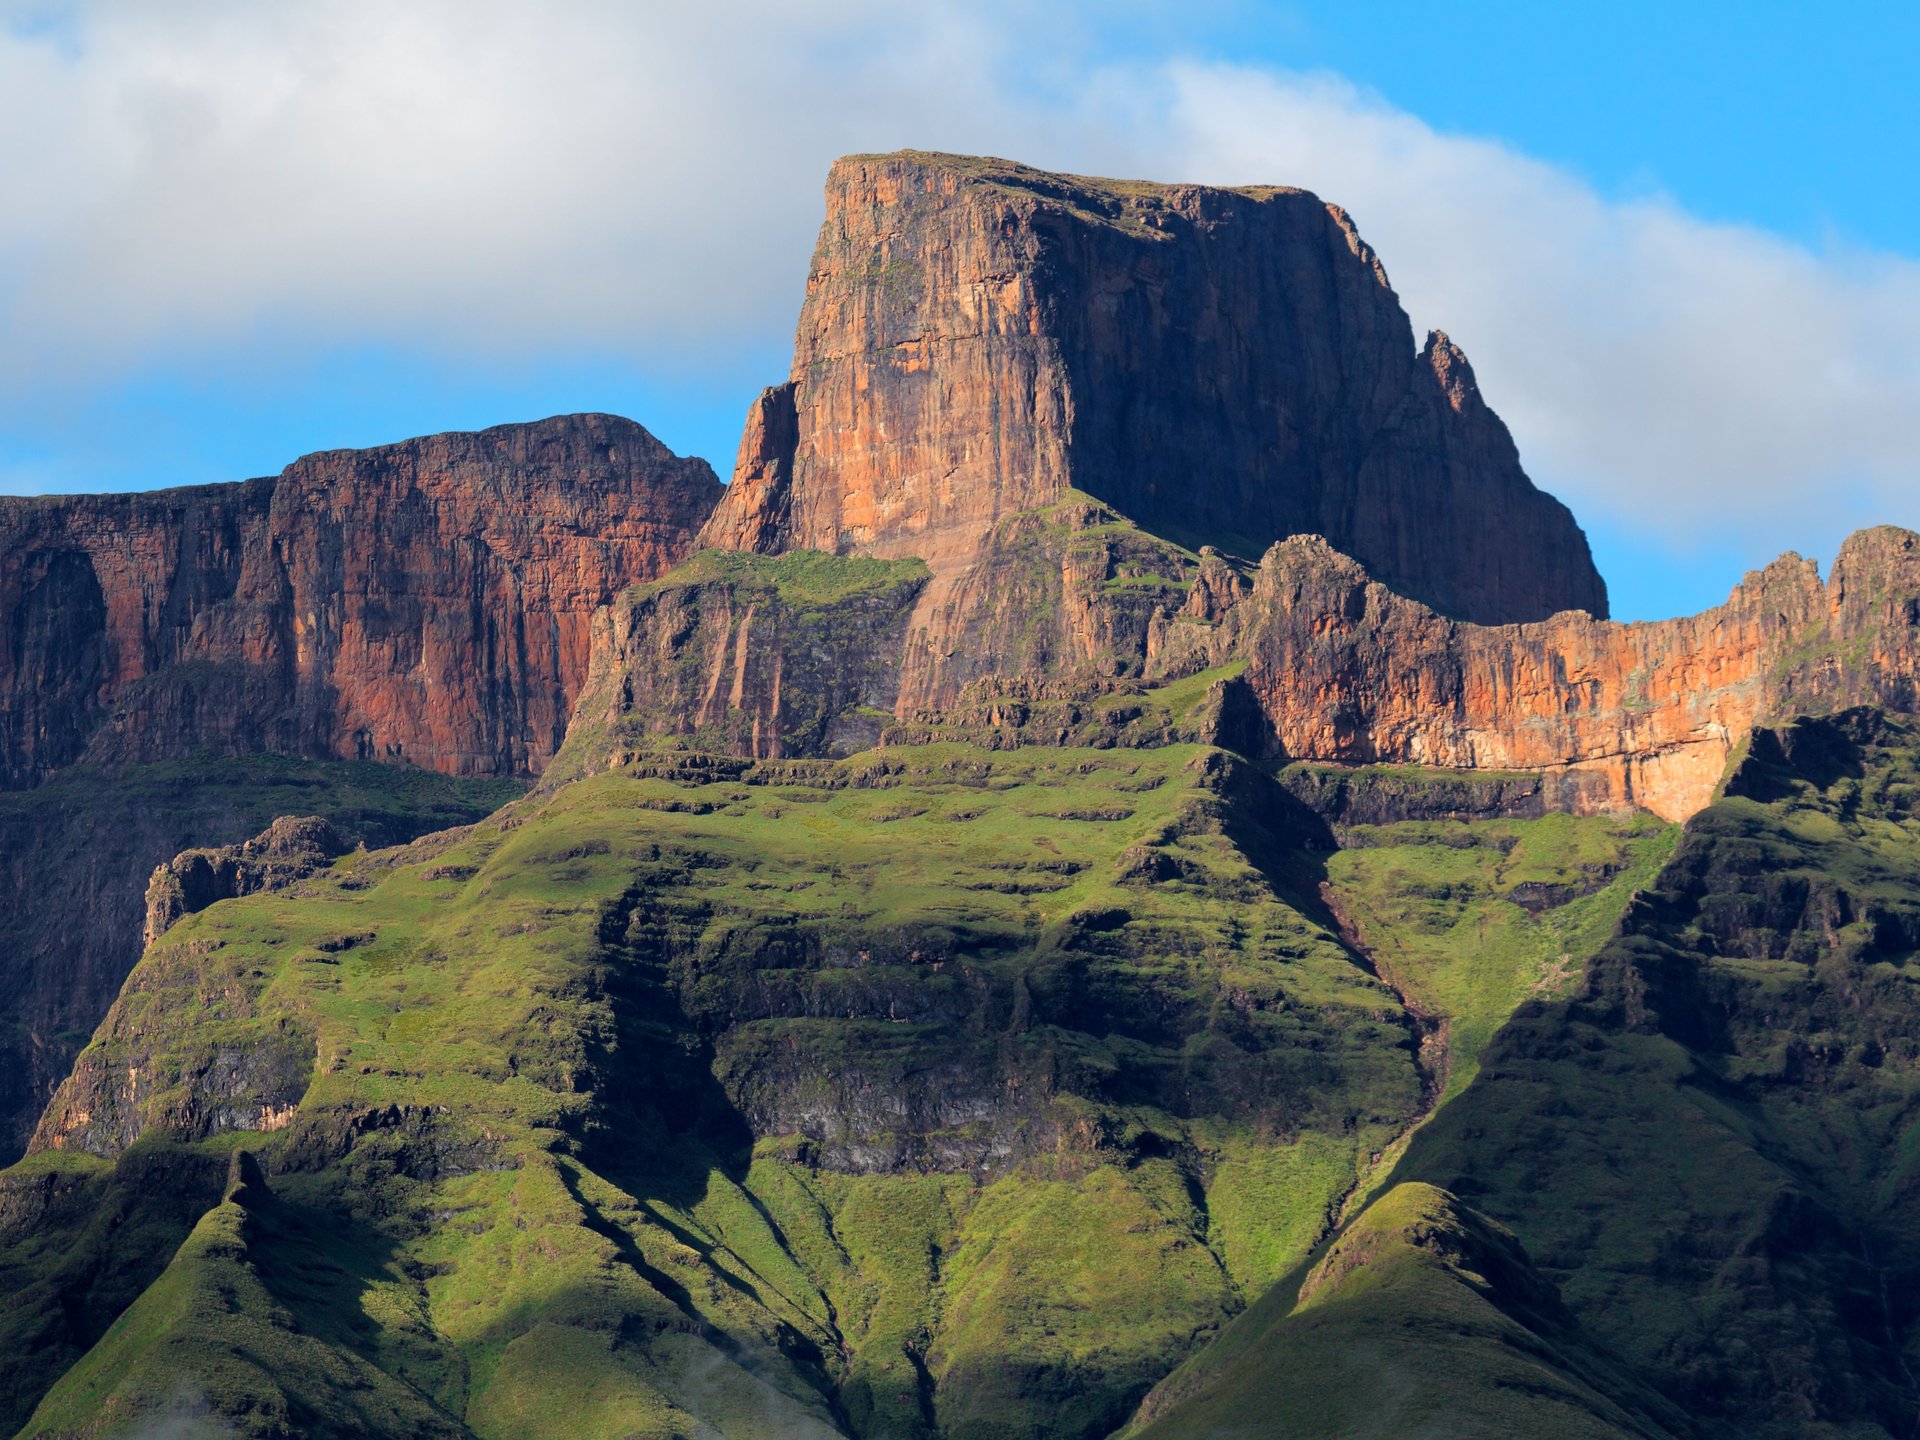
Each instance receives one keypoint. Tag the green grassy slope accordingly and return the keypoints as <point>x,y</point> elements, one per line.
<point>989,1057</point>
<point>1470,918</point>
<point>936,1090</point>
<point>1709,1147</point>
<point>1423,1319</point>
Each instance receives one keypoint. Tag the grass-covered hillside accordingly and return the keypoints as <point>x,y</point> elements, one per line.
<point>1705,1152</point>
<point>76,852</point>
<point>930,1091</point>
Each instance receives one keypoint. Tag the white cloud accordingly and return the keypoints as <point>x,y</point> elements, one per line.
<point>1702,378</point>
<point>471,176</point>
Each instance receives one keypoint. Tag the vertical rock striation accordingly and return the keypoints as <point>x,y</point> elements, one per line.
<point>1221,366</point>
<point>1642,714</point>
<point>426,602</point>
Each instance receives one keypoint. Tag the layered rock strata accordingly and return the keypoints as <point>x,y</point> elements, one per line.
<point>426,602</point>
<point>77,854</point>
<point>1224,366</point>
<point>1642,714</point>
<point>1091,626</point>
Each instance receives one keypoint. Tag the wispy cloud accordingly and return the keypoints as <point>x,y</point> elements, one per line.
<point>475,177</point>
<point>1695,376</point>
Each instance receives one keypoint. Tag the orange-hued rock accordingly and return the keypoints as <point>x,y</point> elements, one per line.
<point>1642,714</point>
<point>1227,366</point>
<point>426,602</point>
<point>1071,609</point>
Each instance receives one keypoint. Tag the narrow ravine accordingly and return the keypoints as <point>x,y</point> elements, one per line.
<point>1428,1029</point>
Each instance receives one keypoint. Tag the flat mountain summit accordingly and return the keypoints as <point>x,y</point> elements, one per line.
<point>1116,881</point>
<point>1224,366</point>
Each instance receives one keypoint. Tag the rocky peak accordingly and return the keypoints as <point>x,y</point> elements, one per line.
<point>1451,368</point>
<point>1226,366</point>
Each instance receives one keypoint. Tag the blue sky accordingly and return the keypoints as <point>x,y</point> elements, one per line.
<point>1681,242</point>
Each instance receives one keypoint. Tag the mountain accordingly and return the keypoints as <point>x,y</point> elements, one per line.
<point>425,605</point>
<point>1228,366</point>
<point>1703,1148</point>
<point>1010,943</point>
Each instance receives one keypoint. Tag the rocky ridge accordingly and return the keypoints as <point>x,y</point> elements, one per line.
<point>1089,618</point>
<point>1617,715</point>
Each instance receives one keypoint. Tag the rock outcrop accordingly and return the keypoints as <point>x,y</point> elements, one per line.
<point>290,849</point>
<point>1224,366</point>
<point>1644,714</point>
<point>426,602</point>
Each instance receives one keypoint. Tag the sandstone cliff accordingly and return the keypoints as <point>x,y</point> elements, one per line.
<point>426,602</point>
<point>747,655</point>
<point>1224,366</point>
<point>1078,628</point>
<point>1643,714</point>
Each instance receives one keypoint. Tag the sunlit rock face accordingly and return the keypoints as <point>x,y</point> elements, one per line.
<point>427,602</point>
<point>1220,366</point>
<point>1642,714</point>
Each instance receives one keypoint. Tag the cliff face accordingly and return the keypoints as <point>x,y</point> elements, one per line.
<point>1227,366</point>
<point>1643,714</point>
<point>1078,628</point>
<point>427,602</point>
<point>747,655</point>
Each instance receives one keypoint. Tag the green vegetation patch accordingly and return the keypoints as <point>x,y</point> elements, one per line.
<point>1470,919</point>
<point>803,579</point>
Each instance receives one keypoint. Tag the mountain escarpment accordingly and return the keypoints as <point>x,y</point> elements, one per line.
<point>426,602</point>
<point>1091,407</point>
<point>1223,366</point>
<point>1084,622</point>
<point>179,668</point>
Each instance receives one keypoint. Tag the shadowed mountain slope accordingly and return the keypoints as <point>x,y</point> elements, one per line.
<point>1424,1319</point>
